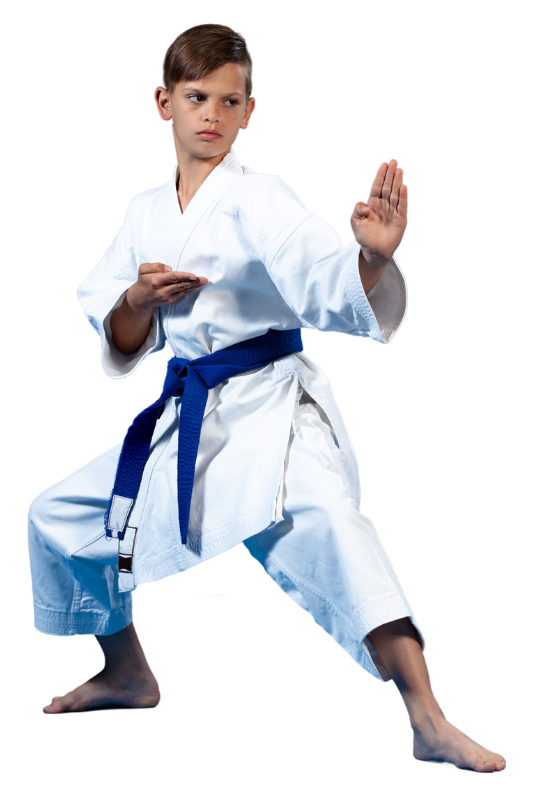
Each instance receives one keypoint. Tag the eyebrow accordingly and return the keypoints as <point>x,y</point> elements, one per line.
<point>204,93</point>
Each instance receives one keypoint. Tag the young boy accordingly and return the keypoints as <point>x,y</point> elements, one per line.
<point>246,442</point>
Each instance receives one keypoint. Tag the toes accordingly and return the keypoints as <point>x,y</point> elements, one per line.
<point>495,766</point>
<point>54,707</point>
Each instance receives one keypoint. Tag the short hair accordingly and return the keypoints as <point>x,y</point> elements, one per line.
<point>203,49</point>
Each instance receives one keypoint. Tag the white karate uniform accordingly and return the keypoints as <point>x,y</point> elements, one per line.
<point>275,466</point>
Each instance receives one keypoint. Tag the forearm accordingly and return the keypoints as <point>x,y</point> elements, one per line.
<point>130,327</point>
<point>370,270</point>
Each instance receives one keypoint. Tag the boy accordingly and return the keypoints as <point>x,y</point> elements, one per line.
<point>246,442</point>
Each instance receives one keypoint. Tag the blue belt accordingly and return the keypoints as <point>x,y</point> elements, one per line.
<point>192,380</point>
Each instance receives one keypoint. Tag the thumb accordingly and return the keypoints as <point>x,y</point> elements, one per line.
<point>361,210</point>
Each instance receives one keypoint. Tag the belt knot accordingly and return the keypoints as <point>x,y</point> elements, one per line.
<point>190,379</point>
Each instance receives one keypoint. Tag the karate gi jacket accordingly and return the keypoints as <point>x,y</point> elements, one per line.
<point>270,263</point>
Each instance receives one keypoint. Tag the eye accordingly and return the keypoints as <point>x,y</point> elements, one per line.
<point>235,101</point>
<point>194,98</point>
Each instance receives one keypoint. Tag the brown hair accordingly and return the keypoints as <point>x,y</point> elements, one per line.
<point>201,50</point>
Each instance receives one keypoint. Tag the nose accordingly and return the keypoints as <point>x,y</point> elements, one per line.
<point>211,112</point>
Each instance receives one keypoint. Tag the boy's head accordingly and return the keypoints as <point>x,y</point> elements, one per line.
<point>203,49</point>
<point>207,93</point>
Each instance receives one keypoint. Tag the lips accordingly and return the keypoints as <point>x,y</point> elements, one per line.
<point>209,133</point>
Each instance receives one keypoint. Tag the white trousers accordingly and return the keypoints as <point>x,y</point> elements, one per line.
<point>324,553</point>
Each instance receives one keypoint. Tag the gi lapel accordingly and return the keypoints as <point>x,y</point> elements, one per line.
<point>222,176</point>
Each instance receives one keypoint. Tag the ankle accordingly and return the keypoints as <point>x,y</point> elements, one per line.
<point>426,719</point>
<point>424,713</point>
<point>125,672</point>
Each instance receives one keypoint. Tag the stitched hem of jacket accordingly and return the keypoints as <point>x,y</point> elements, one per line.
<point>84,622</point>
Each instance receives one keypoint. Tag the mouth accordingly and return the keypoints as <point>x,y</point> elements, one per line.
<point>209,135</point>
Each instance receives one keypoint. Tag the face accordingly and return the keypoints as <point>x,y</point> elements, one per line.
<point>207,114</point>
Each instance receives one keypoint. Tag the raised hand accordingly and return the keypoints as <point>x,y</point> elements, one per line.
<point>380,223</point>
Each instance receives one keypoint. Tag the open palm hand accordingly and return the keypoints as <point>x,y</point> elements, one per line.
<point>380,223</point>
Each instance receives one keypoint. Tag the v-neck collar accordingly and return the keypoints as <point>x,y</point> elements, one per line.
<point>222,173</point>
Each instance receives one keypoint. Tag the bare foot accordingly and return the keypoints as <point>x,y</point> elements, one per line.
<point>109,691</point>
<point>438,740</point>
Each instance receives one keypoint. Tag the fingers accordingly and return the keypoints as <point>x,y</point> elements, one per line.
<point>403,202</point>
<point>394,193</point>
<point>179,278</point>
<point>153,268</point>
<point>170,275</point>
<point>386,183</point>
<point>182,287</point>
<point>166,274</point>
<point>378,181</point>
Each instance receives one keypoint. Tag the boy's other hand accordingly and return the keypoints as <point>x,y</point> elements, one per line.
<point>159,285</point>
<point>380,223</point>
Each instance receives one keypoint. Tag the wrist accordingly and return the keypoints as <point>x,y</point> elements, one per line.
<point>135,304</point>
<point>374,259</point>
<point>370,273</point>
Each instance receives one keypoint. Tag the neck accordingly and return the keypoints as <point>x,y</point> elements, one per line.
<point>193,172</point>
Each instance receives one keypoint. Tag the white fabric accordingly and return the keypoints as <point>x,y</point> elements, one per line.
<point>275,467</point>
<point>323,552</point>
<point>271,264</point>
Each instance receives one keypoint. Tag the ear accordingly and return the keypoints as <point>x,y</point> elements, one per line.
<point>162,97</point>
<point>248,112</point>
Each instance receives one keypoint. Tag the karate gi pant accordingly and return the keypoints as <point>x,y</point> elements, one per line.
<point>324,553</point>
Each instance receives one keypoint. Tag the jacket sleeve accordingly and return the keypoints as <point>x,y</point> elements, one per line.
<point>319,278</point>
<point>104,291</point>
